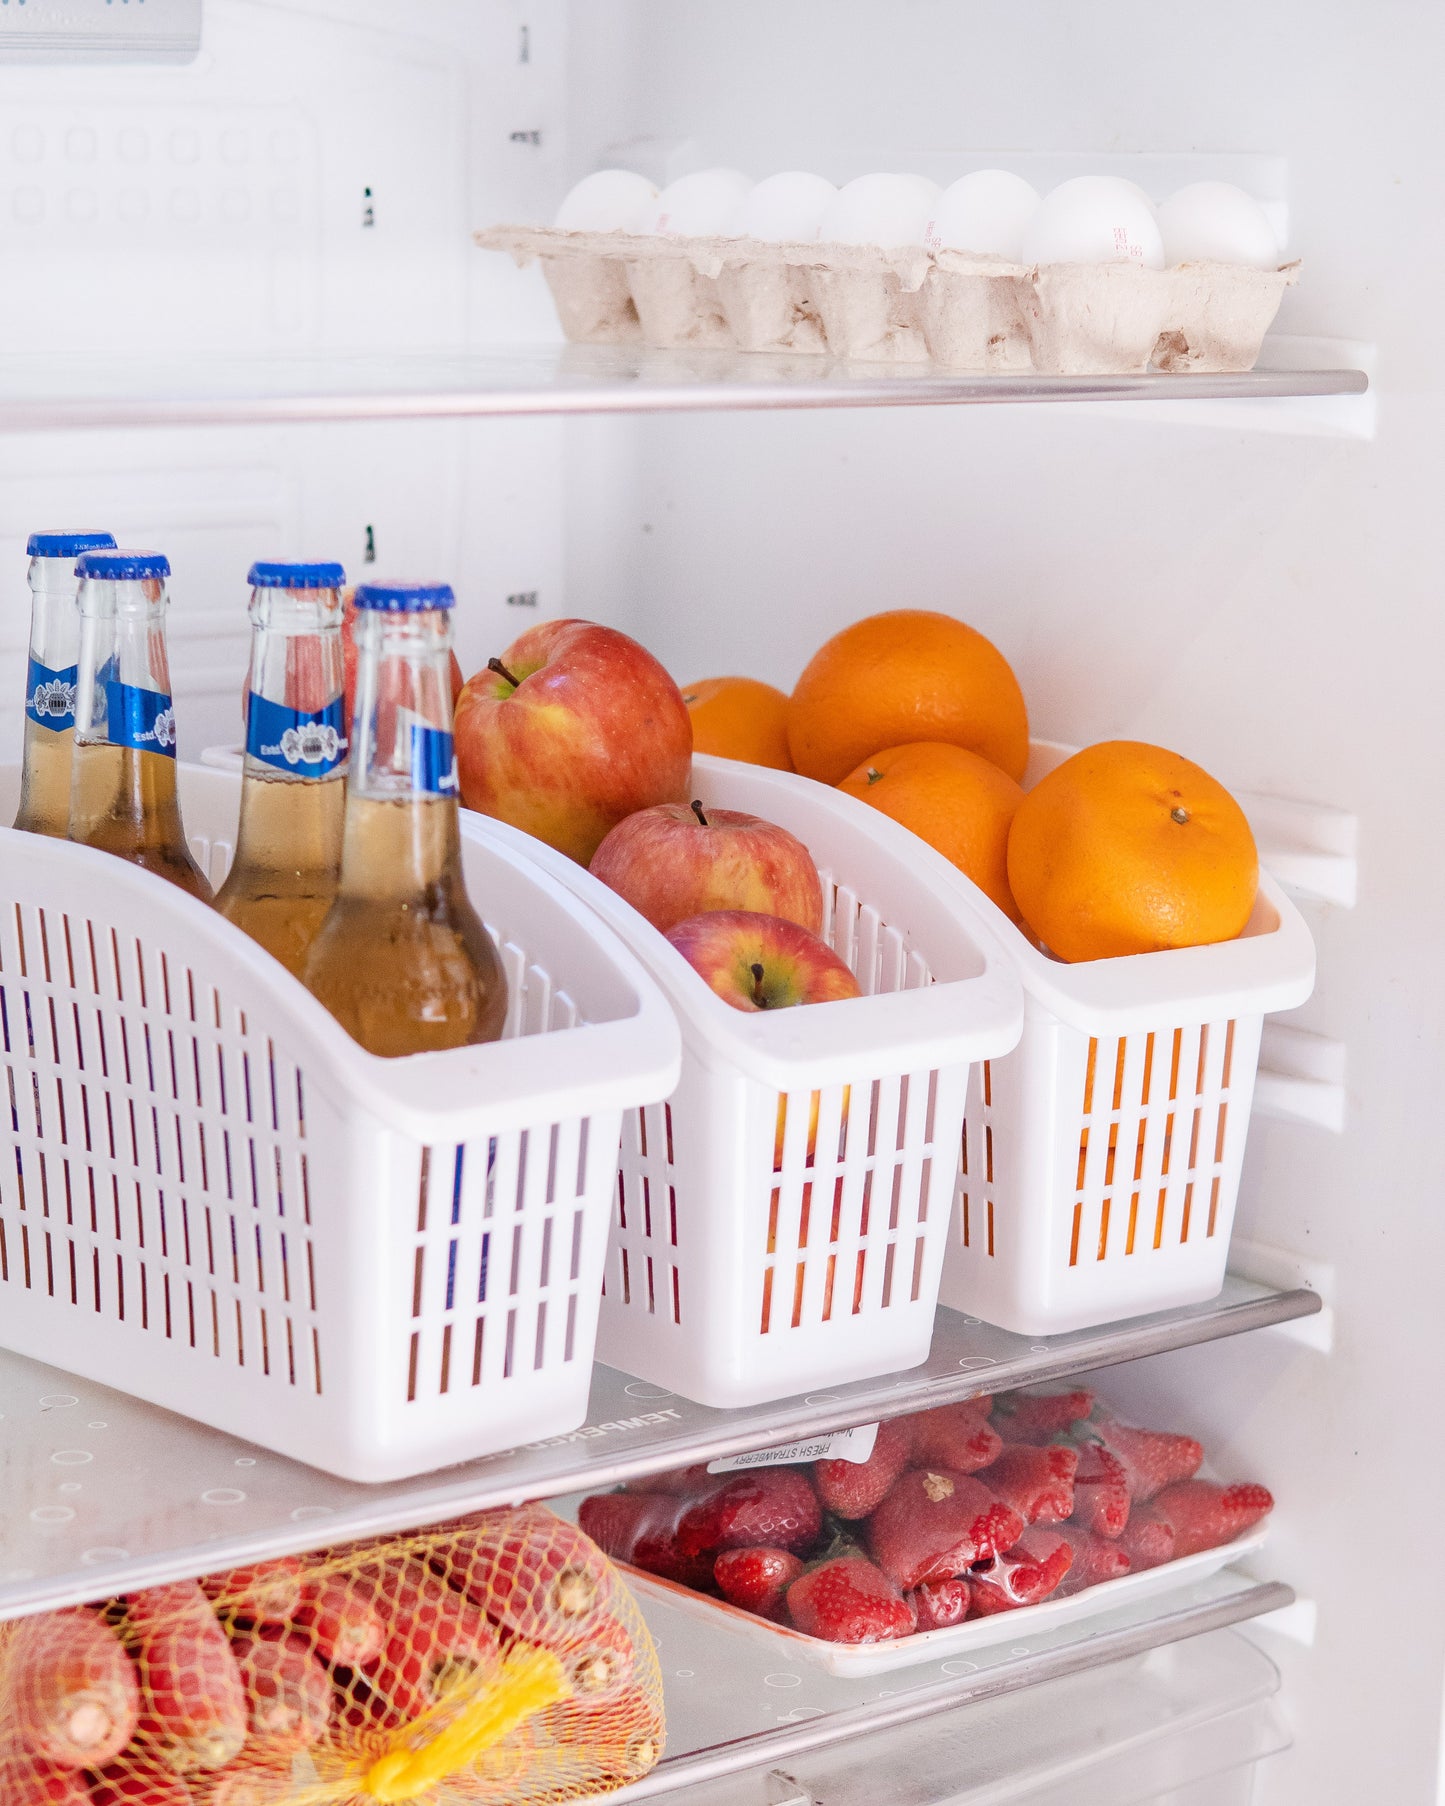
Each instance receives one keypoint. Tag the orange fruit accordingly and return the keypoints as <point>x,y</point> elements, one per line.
<point>955,800</point>
<point>739,718</point>
<point>1127,848</point>
<point>900,678</point>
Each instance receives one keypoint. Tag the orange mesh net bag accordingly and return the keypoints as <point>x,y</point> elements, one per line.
<point>498,1660</point>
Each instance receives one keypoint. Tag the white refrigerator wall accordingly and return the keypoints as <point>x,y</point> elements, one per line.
<point>1253,585</point>
<point>309,184</point>
<point>1265,599</point>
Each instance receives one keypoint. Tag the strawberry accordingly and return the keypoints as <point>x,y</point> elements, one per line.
<point>1038,1417</point>
<point>1096,1558</point>
<point>1152,1459</point>
<point>1101,1493</point>
<point>1203,1515</point>
<point>657,1552</point>
<point>1037,1482</point>
<point>848,1600</point>
<point>774,1508</point>
<point>1146,1541</point>
<point>958,1437</point>
<point>679,1480</point>
<point>641,1528</point>
<point>615,1520</point>
<point>940,1604</point>
<point>756,1579</point>
<point>933,1524</point>
<point>1023,1575</point>
<point>851,1489</point>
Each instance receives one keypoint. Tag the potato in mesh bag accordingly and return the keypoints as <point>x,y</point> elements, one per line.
<point>495,1661</point>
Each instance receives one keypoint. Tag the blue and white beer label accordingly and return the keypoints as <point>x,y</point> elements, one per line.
<point>50,696</point>
<point>433,761</point>
<point>306,743</point>
<point>140,718</point>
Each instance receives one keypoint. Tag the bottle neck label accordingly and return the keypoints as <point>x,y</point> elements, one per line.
<point>305,743</point>
<point>433,761</point>
<point>139,718</point>
<point>50,696</point>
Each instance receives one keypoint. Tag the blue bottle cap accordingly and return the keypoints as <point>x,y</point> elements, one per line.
<point>66,545</point>
<point>404,598</point>
<point>122,567</point>
<point>276,573</point>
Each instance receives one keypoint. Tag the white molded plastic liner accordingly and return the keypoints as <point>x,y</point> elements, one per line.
<point>1102,1156</point>
<point>730,1280</point>
<point>219,1202</point>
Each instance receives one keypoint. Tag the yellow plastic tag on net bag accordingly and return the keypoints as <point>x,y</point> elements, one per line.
<point>498,1660</point>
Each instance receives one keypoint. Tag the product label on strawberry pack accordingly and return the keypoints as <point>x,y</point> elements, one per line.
<point>140,718</point>
<point>841,1445</point>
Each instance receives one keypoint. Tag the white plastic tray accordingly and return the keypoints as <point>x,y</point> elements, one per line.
<point>856,1661</point>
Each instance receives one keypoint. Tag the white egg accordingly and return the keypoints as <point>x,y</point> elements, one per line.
<point>701,205</point>
<point>987,212</point>
<point>605,201</point>
<point>1095,219</point>
<point>887,210</point>
<point>924,184</point>
<point>1215,222</point>
<point>783,208</point>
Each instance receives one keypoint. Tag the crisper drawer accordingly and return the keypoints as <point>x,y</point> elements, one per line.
<point>1186,1724</point>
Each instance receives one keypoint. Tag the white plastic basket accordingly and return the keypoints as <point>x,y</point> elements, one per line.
<point>1101,1157</point>
<point>731,1282</point>
<point>219,1202</point>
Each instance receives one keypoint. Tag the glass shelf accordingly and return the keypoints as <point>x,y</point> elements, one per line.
<point>93,391</point>
<point>738,1713</point>
<point>100,1492</point>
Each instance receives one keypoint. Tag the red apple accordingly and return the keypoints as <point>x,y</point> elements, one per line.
<point>672,862</point>
<point>575,727</point>
<point>759,962</point>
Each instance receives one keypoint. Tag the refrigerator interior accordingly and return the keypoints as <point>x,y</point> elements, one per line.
<point>1248,582</point>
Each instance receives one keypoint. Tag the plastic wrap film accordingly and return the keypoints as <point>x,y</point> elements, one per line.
<point>944,1516</point>
<point>495,1661</point>
<point>906,306</point>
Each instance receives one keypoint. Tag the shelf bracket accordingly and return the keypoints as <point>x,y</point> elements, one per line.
<point>1278,1267</point>
<point>1312,850</point>
<point>1301,1077</point>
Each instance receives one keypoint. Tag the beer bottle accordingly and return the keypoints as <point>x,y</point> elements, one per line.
<point>402,960</point>
<point>293,795</point>
<point>123,773</point>
<point>50,680</point>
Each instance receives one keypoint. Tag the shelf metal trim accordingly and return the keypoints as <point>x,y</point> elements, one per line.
<point>93,392</point>
<point>146,1513</point>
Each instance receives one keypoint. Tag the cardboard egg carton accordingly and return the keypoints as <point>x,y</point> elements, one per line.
<point>908,306</point>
